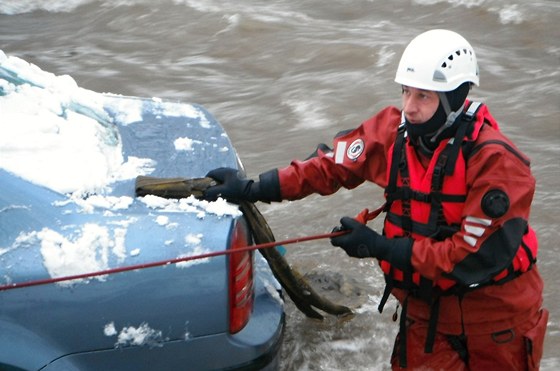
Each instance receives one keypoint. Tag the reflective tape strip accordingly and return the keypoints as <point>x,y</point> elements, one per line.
<point>470,240</point>
<point>475,231</point>
<point>472,219</point>
<point>340,152</point>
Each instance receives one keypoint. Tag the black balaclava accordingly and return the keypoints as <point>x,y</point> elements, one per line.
<point>424,133</point>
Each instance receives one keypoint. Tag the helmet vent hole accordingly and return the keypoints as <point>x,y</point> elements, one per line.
<point>443,65</point>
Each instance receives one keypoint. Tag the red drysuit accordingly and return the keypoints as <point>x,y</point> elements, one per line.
<point>473,253</point>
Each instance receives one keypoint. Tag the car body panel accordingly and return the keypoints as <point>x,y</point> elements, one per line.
<point>162,317</point>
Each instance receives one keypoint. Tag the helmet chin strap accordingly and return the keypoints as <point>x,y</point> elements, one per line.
<point>451,115</point>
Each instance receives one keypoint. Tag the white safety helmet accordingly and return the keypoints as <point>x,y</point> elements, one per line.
<point>438,60</point>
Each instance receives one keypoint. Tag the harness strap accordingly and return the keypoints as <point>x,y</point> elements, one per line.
<point>395,161</point>
<point>389,284</point>
<point>426,288</point>
<point>424,229</point>
<point>402,333</point>
<point>406,220</point>
<point>407,193</point>
<point>432,326</point>
<point>402,193</point>
<point>456,143</point>
<point>436,209</point>
<point>468,119</point>
<point>459,344</point>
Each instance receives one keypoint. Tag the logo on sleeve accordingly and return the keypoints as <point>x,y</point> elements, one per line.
<point>355,149</point>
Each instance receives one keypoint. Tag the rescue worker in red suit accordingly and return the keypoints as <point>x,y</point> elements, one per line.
<point>456,249</point>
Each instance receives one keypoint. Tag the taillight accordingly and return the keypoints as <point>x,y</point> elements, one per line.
<point>240,280</point>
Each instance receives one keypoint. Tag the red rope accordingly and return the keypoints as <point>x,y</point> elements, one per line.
<point>168,261</point>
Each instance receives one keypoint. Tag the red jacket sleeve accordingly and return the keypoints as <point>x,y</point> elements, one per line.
<point>499,181</point>
<point>358,155</point>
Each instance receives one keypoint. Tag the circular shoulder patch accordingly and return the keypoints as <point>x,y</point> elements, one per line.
<point>495,203</point>
<point>355,149</point>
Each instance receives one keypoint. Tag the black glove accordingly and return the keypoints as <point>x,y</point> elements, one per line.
<point>363,242</point>
<point>235,187</point>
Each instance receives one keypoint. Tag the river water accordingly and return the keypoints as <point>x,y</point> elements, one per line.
<point>283,76</point>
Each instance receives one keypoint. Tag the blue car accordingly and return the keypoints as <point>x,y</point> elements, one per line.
<point>221,312</point>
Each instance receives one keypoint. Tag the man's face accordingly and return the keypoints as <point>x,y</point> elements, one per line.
<point>419,105</point>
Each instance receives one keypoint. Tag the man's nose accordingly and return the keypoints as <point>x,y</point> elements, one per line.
<point>410,105</point>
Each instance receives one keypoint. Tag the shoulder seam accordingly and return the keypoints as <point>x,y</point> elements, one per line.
<point>507,146</point>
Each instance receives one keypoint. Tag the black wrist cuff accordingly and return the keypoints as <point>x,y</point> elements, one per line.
<point>400,254</point>
<point>267,189</point>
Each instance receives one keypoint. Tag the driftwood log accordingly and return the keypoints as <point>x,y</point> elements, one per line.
<point>306,299</point>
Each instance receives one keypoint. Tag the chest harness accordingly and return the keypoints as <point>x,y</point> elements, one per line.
<point>442,222</point>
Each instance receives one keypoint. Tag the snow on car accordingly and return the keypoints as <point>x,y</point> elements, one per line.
<point>68,161</point>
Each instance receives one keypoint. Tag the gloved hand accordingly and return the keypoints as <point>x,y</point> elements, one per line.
<point>235,188</point>
<point>363,242</point>
<point>232,186</point>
